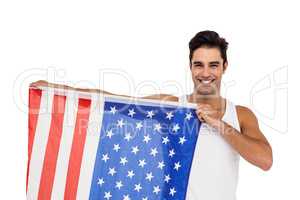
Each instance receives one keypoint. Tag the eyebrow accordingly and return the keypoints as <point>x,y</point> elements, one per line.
<point>199,62</point>
<point>214,62</point>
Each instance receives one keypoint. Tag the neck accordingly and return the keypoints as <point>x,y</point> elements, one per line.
<point>215,101</point>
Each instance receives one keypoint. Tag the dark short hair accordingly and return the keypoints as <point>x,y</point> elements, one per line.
<point>208,39</point>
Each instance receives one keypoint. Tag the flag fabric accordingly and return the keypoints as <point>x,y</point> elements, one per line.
<point>90,146</point>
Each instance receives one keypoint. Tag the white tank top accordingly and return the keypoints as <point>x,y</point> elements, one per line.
<point>215,166</point>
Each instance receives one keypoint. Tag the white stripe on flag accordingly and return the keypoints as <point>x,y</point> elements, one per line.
<point>90,147</point>
<point>65,147</point>
<point>39,144</point>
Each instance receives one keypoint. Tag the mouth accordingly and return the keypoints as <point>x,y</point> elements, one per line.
<point>206,82</point>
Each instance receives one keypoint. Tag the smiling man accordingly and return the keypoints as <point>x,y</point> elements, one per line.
<point>228,130</point>
<point>231,130</point>
<point>208,63</point>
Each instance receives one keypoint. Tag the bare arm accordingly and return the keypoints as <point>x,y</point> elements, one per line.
<point>164,97</point>
<point>250,143</point>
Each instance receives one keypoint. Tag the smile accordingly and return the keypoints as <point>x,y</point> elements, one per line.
<point>206,82</point>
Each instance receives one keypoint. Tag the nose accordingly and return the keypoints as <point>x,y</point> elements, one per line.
<point>206,72</point>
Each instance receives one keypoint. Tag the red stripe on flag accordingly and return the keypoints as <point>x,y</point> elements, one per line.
<point>77,148</point>
<point>35,96</point>
<point>52,148</point>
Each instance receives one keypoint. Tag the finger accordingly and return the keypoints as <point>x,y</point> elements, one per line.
<point>202,116</point>
<point>201,112</point>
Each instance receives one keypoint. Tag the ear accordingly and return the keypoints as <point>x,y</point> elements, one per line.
<point>225,65</point>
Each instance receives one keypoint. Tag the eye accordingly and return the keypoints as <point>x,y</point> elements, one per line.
<point>198,65</point>
<point>214,66</point>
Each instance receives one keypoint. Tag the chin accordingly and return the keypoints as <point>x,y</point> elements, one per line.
<point>206,92</point>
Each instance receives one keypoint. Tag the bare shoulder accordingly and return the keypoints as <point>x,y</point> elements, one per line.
<point>249,124</point>
<point>246,116</point>
<point>163,97</point>
<point>244,111</point>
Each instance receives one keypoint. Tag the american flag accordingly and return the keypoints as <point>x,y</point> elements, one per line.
<point>91,146</point>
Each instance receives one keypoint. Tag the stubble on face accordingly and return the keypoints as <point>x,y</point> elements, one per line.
<point>207,69</point>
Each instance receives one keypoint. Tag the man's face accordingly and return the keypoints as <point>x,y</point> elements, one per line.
<point>207,68</point>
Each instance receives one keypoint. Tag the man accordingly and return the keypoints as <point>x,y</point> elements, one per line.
<point>208,63</point>
<point>235,129</point>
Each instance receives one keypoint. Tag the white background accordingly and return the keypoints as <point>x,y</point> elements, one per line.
<point>74,42</point>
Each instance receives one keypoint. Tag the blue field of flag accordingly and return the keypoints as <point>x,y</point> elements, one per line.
<point>145,152</point>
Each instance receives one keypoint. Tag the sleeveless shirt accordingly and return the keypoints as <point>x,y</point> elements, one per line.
<point>215,166</point>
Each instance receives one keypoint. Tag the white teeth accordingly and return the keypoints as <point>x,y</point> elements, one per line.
<point>206,82</point>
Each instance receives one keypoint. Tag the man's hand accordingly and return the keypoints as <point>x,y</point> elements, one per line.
<point>40,83</point>
<point>207,114</point>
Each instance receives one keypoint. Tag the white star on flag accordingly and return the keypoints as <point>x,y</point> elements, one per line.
<point>161,165</point>
<point>119,184</point>
<point>171,153</point>
<point>172,191</point>
<point>126,197</point>
<point>149,176</point>
<point>188,116</point>
<point>139,125</point>
<point>153,152</point>
<point>177,166</point>
<point>131,112</point>
<point>128,137</point>
<point>123,160</point>
<point>169,115</point>
<point>130,174</point>
<point>105,157</point>
<point>156,189</point>
<point>142,163</point>
<point>120,123</point>
<point>135,150</point>
<point>167,178</point>
<point>182,140</point>
<point>150,114</point>
<point>147,138</point>
<point>112,171</point>
<point>116,147</point>
<point>137,187</point>
<point>109,133</point>
<point>157,127</point>
<point>100,181</point>
<point>113,110</point>
<point>107,195</point>
<point>176,127</point>
<point>165,140</point>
